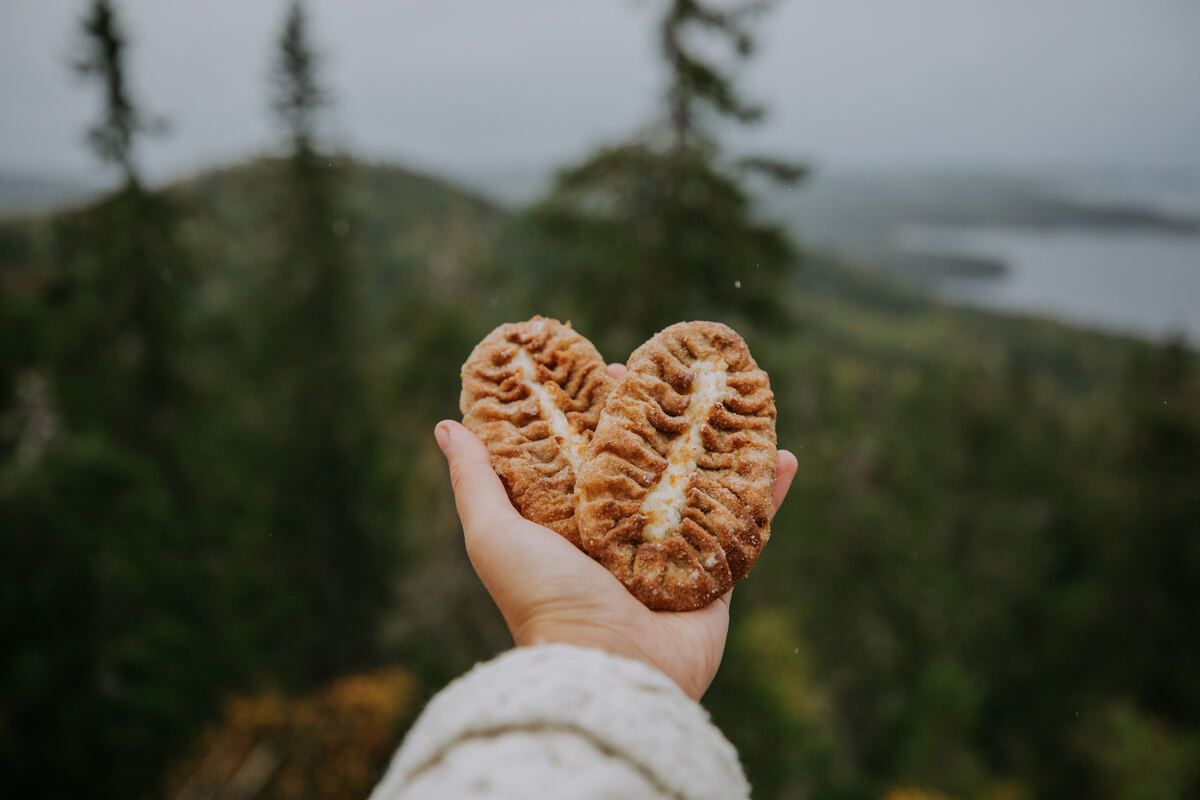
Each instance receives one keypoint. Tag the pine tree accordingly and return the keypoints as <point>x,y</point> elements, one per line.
<point>125,270</point>
<point>297,95</point>
<point>334,562</point>
<point>104,50</point>
<point>660,228</point>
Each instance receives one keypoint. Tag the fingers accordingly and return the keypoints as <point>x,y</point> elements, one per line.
<point>478,493</point>
<point>617,370</point>
<point>785,471</point>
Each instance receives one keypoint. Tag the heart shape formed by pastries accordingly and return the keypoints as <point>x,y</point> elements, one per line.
<point>664,477</point>
<point>674,496</point>
<point>532,391</point>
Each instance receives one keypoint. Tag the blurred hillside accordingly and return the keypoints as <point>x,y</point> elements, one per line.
<point>974,587</point>
<point>28,193</point>
<point>869,215</point>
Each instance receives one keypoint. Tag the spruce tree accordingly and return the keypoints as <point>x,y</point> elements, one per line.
<point>660,227</point>
<point>332,555</point>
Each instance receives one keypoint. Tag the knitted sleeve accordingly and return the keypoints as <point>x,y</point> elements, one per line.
<point>567,722</point>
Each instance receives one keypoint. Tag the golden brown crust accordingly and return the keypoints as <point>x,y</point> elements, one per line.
<point>514,412</point>
<point>721,454</point>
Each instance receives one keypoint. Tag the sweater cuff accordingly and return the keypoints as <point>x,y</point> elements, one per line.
<point>625,708</point>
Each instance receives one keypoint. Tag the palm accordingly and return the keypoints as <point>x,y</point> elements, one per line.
<point>570,597</point>
<point>548,590</point>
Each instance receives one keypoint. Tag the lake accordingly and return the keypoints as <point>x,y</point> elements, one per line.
<point>1141,282</point>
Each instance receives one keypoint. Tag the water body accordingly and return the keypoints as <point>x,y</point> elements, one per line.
<point>1142,282</point>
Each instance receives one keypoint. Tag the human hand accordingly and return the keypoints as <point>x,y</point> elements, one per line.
<point>550,591</point>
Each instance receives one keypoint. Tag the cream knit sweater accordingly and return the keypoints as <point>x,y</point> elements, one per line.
<point>558,721</point>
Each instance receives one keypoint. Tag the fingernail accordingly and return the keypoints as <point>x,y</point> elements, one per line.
<point>442,434</point>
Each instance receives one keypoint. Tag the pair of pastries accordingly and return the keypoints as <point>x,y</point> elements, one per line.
<point>663,476</point>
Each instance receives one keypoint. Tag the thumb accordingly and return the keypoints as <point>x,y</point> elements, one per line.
<point>479,495</point>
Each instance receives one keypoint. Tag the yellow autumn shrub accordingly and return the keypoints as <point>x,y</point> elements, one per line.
<point>332,744</point>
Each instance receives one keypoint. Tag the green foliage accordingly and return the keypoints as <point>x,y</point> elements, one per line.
<point>105,617</point>
<point>119,285</point>
<point>1137,756</point>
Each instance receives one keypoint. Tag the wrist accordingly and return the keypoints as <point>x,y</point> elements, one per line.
<point>581,635</point>
<point>693,682</point>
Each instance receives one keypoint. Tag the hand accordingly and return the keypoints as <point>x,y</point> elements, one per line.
<point>550,591</point>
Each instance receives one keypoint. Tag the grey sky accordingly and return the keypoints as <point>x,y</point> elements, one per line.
<point>492,84</point>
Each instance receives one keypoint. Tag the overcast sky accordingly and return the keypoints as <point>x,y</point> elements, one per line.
<point>466,85</point>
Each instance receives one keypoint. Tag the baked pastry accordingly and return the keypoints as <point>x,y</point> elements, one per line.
<point>674,496</point>
<point>532,391</point>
